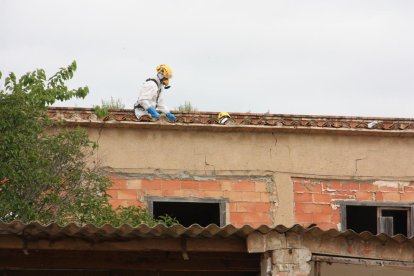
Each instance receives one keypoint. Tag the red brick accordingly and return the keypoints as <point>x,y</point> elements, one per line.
<point>300,187</point>
<point>368,187</point>
<point>127,194</point>
<point>192,193</point>
<point>364,195</point>
<point>237,218</point>
<point>210,185</point>
<point>339,197</point>
<point>171,192</point>
<point>378,196</point>
<point>112,193</point>
<point>136,203</point>
<point>332,185</point>
<point>261,187</point>
<point>259,223</point>
<point>213,194</point>
<point>409,188</point>
<point>154,192</point>
<point>326,226</point>
<point>141,204</point>
<point>133,184</point>
<point>409,196</point>
<point>237,224</point>
<point>118,183</point>
<point>303,197</point>
<point>246,186</point>
<point>190,185</point>
<point>262,207</point>
<point>303,218</point>
<point>140,195</point>
<point>259,207</point>
<point>391,196</point>
<point>251,217</point>
<point>151,184</point>
<point>322,218</point>
<point>118,202</point>
<point>388,189</point>
<point>296,180</point>
<point>251,196</point>
<point>171,185</point>
<point>233,207</point>
<point>246,207</point>
<point>314,187</point>
<point>233,196</point>
<point>336,216</point>
<point>323,209</point>
<point>309,208</point>
<point>264,197</point>
<point>350,186</point>
<point>226,185</point>
<point>304,208</point>
<point>344,193</point>
<point>321,198</point>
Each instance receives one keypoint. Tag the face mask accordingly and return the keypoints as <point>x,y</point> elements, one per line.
<point>165,81</point>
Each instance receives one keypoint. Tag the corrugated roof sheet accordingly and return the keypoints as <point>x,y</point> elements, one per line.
<point>258,121</point>
<point>36,230</point>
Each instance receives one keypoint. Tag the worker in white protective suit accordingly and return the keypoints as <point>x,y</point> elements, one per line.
<point>150,101</point>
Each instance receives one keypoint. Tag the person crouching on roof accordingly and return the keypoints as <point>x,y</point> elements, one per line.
<point>150,101</point>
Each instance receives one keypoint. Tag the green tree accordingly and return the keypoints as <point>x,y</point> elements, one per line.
<point>44,173</point>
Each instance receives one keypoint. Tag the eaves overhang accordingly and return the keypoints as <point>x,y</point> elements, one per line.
<point>223,242</point>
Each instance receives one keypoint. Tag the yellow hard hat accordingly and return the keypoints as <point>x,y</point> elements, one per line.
<point>165,70</point>
<point>223,117</point>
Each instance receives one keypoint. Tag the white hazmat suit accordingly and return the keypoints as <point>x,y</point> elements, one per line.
<point>150,96</point>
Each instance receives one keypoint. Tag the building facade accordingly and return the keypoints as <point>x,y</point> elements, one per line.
<point>330,172</point>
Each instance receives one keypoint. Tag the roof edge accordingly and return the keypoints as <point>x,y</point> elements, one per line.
<point>247,122</point>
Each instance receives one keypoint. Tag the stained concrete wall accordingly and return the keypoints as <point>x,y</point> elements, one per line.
<point>280,155</point>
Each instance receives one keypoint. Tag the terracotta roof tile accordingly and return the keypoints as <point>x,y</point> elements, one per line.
<point>242,121</point>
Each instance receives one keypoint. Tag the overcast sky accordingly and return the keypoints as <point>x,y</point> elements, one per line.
<point>319,57</point>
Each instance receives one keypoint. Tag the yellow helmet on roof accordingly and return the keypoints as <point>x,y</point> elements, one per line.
<point>165,70</point>
<point>223,117</point>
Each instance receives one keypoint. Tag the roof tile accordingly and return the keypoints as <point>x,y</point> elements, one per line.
<point>396,126</point>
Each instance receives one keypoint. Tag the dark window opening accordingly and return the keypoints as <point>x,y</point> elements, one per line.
<point>361,218</point>
<point>397,219</point>
<point>188,213</point>
<point>388,219</point>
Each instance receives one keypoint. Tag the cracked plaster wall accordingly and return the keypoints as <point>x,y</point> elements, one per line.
<point>282,155</point>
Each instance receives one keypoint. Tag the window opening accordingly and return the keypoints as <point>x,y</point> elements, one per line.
<point>188,213</point>
<point>362,218</point>
<point>391,219</point>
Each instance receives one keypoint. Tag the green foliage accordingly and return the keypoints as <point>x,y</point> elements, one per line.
<point>133,216</point>
<point>113,104</point>
<point>103,110</point>
<point>44,172</point>
<point>187,107</point>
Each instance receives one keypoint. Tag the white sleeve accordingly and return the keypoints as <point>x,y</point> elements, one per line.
<point>161,106</point>
<point>148,91</point>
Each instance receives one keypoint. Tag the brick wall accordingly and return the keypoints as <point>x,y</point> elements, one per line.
<point>248,200</point>
<point>316,200</point>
